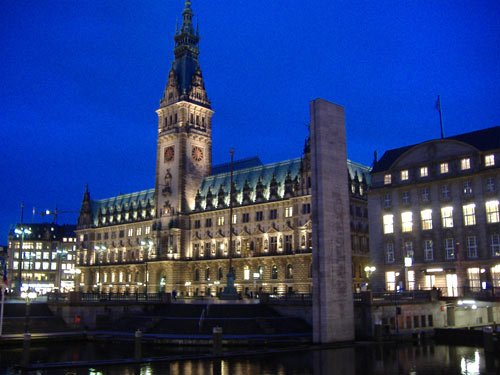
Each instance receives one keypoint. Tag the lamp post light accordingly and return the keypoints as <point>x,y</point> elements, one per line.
<point>20,231</point>
<point>369,270</point>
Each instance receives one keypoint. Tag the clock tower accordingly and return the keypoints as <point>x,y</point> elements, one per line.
<point>184,150</point>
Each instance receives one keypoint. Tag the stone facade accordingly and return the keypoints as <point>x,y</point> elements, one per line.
<point>437,205</point>
<point>176,236</point>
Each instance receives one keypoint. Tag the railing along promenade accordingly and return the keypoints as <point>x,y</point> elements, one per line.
<point>367,297</point>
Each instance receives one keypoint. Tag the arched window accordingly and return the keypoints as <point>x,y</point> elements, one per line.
<point>196,274</point>
<point>289,271</point>
<point>274,272</point>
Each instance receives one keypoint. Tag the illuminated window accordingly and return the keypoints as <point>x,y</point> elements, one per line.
<point>147,230</point>
<point>447,217</point>
<point>428,250</point>
<point>388,224</point>
<point>469,211</point>
<point>492,214</point>
<point>138,231</point>
<point>246,273</point>
<point>449,248</point>
<point>404,175</point>
<point>473,274</point>
<point>235,218</point>
<point>220,221</point>
<point>467,187</point>
<point>443,168</point>
<point>426,216</point>
<point>489,160</point>
<point>288,211</point>
<point>387,179</point>
<point>495,245</point>
<point>465,164</point>
<point>407,221</point>
<point>424,171</point>
<point>390,280</point>
<point>389,252</point>
<point>471,247</point>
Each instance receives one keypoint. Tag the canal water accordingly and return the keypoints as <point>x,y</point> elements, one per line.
<point>410,359</point>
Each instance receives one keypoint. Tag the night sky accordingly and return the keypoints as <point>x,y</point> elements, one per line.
<point>80,81</point>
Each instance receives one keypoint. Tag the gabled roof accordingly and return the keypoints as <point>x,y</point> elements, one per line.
<point>483,140</point>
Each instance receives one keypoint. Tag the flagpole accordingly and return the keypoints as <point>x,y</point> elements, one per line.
<point>1,308</point>
<point>438,106</point>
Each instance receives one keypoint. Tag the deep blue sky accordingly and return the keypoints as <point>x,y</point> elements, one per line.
<point>80,81</point>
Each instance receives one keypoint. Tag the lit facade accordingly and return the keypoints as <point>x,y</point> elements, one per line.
<point>47,260</point>
<point>176,236</point>
<point>434,215</point>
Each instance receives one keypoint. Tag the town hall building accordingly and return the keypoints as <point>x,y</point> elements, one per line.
<point>181,234</point>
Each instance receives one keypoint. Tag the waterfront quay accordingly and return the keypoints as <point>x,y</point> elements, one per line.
<point>211,328</point>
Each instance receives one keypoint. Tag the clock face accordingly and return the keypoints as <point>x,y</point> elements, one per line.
<point>197,153</point>
<point>169,153</point>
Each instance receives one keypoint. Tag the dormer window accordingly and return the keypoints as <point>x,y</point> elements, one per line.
<point>424,172</point>
<point>387,179</point>
<point>443,168</point>
<point>465,164</point>
<point>489,160</point>
<point>404,175</point>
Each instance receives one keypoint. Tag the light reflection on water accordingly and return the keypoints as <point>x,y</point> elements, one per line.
<point>366,360</point>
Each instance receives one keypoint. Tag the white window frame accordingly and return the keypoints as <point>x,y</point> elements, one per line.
<point>465,164</point>
<point>492,212</point>
<point>387,200</point>
<point>489,160</point>
<point>471,247</point>
<point>388,223</point>
<point>444,168</point>
<point>406,221</point>
<point>424,171</point>
<point>426,216</point>
<point>469,211</point>
<point>389,252</point>
<point>495,244</point>
<point>387,179</point>
<point>428,250</point>
<point>449,248</point>
<point>490,184</point>
<point>467,187</point>
<point>447,217</point>
<point>408,249</point>
<point>405,175</point>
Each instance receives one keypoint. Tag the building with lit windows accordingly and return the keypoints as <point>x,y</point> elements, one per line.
<point>47,260</point>
<point>434,215</point>
<point>180,234</point>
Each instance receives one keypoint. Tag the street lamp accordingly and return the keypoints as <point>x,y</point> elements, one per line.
<point>28,296</point>
<point>20,231</point>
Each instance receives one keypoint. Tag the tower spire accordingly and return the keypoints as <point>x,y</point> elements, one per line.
<point>185,81</point>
